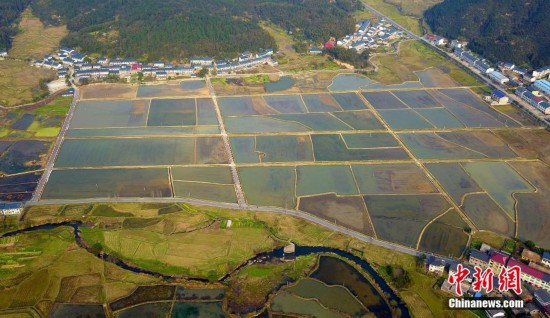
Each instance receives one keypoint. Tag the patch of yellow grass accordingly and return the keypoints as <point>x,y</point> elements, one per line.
<point>19,82</point>
<point>391,11</point>
<point>34,39</point>
<point>415,8</point>
<point>412,57</point>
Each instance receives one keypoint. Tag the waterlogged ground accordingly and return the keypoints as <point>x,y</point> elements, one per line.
<point>342,147</point>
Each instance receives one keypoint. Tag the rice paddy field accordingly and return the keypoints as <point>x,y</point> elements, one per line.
<point>422,164</point>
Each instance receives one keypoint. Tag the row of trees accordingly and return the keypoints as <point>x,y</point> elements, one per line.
<point>507,30</point>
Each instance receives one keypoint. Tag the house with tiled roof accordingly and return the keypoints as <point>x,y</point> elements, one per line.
<point>530,256</point>
<point>498,261</point>
<point>545,259</point>
<point>478,258</point>
<point>435,265</point>
<point>532,276</point>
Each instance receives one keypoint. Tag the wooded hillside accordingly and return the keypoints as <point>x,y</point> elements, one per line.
<point>507,30</point>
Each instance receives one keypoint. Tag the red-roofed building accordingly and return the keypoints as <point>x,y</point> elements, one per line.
<point>136,67</point>
<point>329,44</point>
<point>498,261</point>
<point>531,275</point>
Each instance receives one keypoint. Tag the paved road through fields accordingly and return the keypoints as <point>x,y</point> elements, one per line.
<point>232,165</point>
<point>55,151</point>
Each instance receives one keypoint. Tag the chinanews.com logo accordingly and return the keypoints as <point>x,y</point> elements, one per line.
<point>508,279</point>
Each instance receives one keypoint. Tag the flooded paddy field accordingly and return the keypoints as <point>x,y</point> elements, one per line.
<point>172,112</point>
<point>24,156</point>
<point>360,154</point>
<point>19,187</point>
<point>141,152</point>
<point>456,145</point>
<point>107,183</point>
<point>349,101</point>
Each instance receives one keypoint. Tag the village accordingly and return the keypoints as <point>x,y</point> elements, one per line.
<point>534,277</point>
<point>531,86</point>
<point>69,62</point>
<point>367,36</point>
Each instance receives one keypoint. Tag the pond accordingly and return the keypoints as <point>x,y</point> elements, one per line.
<point>282,84</point>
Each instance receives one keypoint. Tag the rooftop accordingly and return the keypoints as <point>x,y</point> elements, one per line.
<point>529,270</point>
<point>500,258</point>
<point>479,255</point>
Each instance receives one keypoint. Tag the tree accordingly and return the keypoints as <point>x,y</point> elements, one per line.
<point>203,72</point>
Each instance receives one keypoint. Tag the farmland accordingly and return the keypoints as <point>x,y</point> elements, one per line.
<point>26,137</point>
<point>411,163</point>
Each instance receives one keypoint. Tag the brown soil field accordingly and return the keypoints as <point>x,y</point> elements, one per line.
<point>392,179</point>
<point>260,106</point>
<point>109,91</point>
<point>485,142</point>
<point>528,143</point>
<point>533,218</point>
<point>537,173</point>
<point>139,107</point>
<point>434,77</point>
<point>343,210</point>
<point>328,100</point>
<point>210,150</point>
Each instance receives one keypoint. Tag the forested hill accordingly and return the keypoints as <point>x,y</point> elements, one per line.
<point>9,13</point>
<point>507,30</point>
<point>174,29</point>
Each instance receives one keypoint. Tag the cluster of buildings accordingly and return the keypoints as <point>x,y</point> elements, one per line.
<point>104,68</point>
<point>531,86</point>
<point>535,276</point>
<point>528,95</point>
<point>368,35</point>
<point>12,208</point>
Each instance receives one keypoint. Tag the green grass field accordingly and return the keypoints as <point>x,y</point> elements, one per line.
<point>412,57</point>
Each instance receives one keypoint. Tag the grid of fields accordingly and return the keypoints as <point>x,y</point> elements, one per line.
<point>143,148</point>
<point>414,166</point>
<point>411,165</point>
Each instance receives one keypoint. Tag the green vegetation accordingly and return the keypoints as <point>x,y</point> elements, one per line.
<point>251,286</point>
<point>348,56</point>
<point>188,28</point>
<point>508,30</point>
<point>510,246</point>
<point>256,79</point>
<point>412,57</point>
<point>392,11</point>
